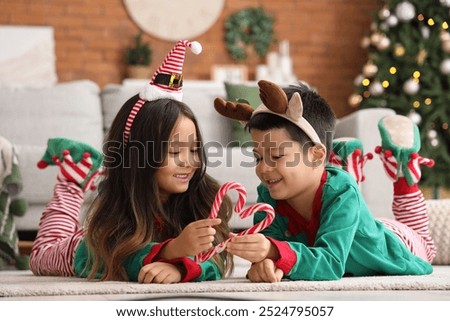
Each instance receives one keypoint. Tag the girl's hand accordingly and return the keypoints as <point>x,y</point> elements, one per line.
<point>264,271</point>
<point>251,247</point>
<point>159,272</point>
<point>195,238</point>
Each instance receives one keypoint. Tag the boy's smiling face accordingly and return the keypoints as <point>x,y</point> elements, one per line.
<point>287,168</point>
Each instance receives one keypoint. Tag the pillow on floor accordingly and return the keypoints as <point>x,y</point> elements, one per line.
<point>439,215</point>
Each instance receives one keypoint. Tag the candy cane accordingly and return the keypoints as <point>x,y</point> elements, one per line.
<point>261,225</point>
<point>218,200</point>
<point>201,257</point>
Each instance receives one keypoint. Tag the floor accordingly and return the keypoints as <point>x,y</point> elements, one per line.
<point>262,296</point>
<point>241,268</point>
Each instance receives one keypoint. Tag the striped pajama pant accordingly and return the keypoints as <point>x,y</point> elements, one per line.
<point>411,220</point>
<point>59,232</point>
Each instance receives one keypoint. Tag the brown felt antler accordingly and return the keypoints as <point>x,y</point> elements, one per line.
<point>273,97</point>
<point>234,110</point>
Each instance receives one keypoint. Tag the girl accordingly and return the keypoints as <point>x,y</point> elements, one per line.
<point>323,229</point>
<point>150,215</point>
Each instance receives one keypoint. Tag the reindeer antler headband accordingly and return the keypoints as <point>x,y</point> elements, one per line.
<point>274,101</point>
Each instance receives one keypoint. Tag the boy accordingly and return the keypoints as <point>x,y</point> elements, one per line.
<point>323,229</point>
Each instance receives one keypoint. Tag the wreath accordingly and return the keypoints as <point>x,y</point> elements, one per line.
<point>251,27</point>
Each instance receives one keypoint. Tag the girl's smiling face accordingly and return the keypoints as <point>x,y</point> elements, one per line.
<point>182,159</point>
<point>283,165</point>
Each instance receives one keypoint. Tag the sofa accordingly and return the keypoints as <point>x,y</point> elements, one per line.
<point>82,111</point>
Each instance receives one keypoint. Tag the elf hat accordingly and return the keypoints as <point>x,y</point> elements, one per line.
<point>167,81</point>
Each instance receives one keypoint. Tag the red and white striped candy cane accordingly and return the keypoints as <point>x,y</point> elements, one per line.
<point>223,190</point>
<point>201,257</point>
<point>261,225</point>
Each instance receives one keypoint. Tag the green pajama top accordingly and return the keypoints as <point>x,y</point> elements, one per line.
<point>349,241</point>
<point>205,271</point>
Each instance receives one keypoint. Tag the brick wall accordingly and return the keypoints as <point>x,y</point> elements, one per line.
<point>91,35</point>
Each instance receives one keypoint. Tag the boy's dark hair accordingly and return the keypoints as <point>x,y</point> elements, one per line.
<point>316,111</point>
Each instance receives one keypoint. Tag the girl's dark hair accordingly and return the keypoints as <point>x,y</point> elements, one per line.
<point>127,214</point>
<point>316,111</point>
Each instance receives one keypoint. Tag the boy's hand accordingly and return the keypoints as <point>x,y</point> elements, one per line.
<point>195,238</point>
<point>251,247</point>
<point>159,272</point>
<point>264,271</point>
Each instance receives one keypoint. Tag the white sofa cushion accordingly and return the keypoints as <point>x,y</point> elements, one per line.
<point>28,118</point>
<point>72,110</point>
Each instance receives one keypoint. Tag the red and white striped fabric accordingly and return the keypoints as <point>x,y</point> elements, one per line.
<point>173,63</point>
<point>354,164</point>
<point>414,166</point>
<point>59,232</point>
<point>390,165</point>
<point>77,172</point>
<point>202,257</point>
<point>130,119</point>
<point>411,223</point>
<point>335,160</point>
<point>71,171</point>
<point>171,66</point>
<point>389,162</point>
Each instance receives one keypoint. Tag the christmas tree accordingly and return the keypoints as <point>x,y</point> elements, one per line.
<point>408,70</point>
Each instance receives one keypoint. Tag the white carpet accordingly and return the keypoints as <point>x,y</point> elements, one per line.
<point>24,284</point>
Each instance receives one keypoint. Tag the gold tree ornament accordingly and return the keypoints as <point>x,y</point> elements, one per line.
<point>384,43</point>
<point>421,56</point>
<point>370,69</point>
<point>375,38</point>
<point>354,100</point>
<point>365,42</point>
<point>399,50</point>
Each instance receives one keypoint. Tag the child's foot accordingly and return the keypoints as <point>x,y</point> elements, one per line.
<point>400,142</point>
<point>77,162</point>
<point>348,154</point>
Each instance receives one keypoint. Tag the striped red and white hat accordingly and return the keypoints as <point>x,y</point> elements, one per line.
<point>167,81</point>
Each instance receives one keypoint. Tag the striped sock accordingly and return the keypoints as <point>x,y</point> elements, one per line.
<point>409,208</point>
